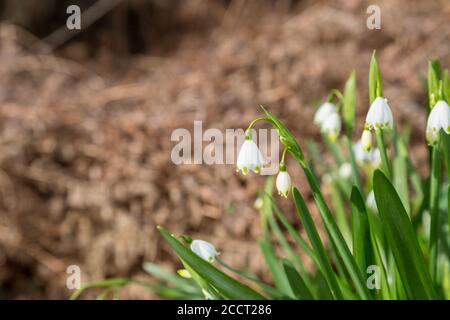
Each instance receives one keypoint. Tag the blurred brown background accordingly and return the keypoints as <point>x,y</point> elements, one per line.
<point>86,119</point>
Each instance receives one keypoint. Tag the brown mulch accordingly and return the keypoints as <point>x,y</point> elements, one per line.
<point>85,169</point>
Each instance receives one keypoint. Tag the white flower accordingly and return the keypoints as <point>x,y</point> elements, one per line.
<point>259,203</point>
<point>204,249</point>
<point>438,119</point>
<point>370,201</point>
<point>322,113</point>
<point>379,115</point>
<point>332,125</point>
<point>345,170</point>
<point>283,183</point>
<point>249,158</point>
<point>366,140</point>
<point>372,157</point>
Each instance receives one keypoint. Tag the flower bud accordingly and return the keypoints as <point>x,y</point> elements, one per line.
<point>366,140</point>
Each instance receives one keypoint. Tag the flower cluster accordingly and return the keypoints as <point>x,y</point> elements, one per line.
<point>379,117</point>
<point>327,117</point>
<point>250,158</point>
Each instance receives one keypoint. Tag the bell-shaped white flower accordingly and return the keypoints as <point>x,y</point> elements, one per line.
<point>379,115</point>
<point>345,170</point>
<point>249,158</point>
<point>323,112</point>
<point>331,126</point>
<point>438,119</point>
<point>204,249</point>
<point>366,140</point>
<point>372,157</point>
<point>370,201</point>
<point>283,182</point>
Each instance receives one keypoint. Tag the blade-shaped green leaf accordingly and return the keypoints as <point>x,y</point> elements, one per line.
<point>169,277</point>
<point>401,173</point>
<point>402,240</point>
<point>434,76</point>
<point>279,277</point>
<point>227,286</point>
<point>362,246</point>
<point>349,104</point>
<point>336,236</point>
<point>296,282</point>
<point>316,243</point>
<point>375,86</point>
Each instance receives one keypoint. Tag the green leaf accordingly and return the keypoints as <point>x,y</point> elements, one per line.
<point>402,240</point>
<point>349,104</point>
<point>105,283</point>
<point>169,277</point>
<point>284,242</point>
<point>446,85</point>
<point>316,242</point>
<point>272,292</point>
<point>362,246</point>
<point>434,76</point>
<point>286,137</point>
<point>296,282</point>
<point>401,173</point>
<point>336,236</point>
<point>227,286</point>
<point>375,85</point>
<point>300,241</point>
<point>279,277</point>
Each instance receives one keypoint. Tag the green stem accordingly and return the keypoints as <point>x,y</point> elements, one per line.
<point>253,123</point>
<point>383,152</point>
<point>332,145</point>
<point>355,172</point>
<point>434,210</point>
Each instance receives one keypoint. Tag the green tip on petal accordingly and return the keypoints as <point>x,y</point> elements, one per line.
<point>257,169</point>
<point>332,136</point>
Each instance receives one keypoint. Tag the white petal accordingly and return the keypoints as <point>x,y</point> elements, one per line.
<point>332,125</point>
<point>444,115</point>
<point>388,118</point>
<point>345,170</point>
<point>323,112</point>
<point>283,183</point>
<point>250,157</point>
<point>204,249</point>
<point>370,201</point>
<point>379,115</point>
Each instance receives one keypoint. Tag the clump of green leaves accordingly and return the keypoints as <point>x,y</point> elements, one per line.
<point>388,228</point>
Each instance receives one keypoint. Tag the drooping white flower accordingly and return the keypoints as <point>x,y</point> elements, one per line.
<point>366,140</point>
<point>438,119</point>
<point>258,204</point>
<point>370,201</point>
<point>331,126</point>
<point>323,112</point>
<point>345,170</point>
<point>283,182</point>
<point>371,157</point>
<point>249,158</point>
<point>204,249</point>
<point>379,115</point>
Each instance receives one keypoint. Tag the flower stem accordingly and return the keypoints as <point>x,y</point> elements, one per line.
<point>355,172</point>
<point>434,210</point>
<point>383,152</point>
<point>253,123</point>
